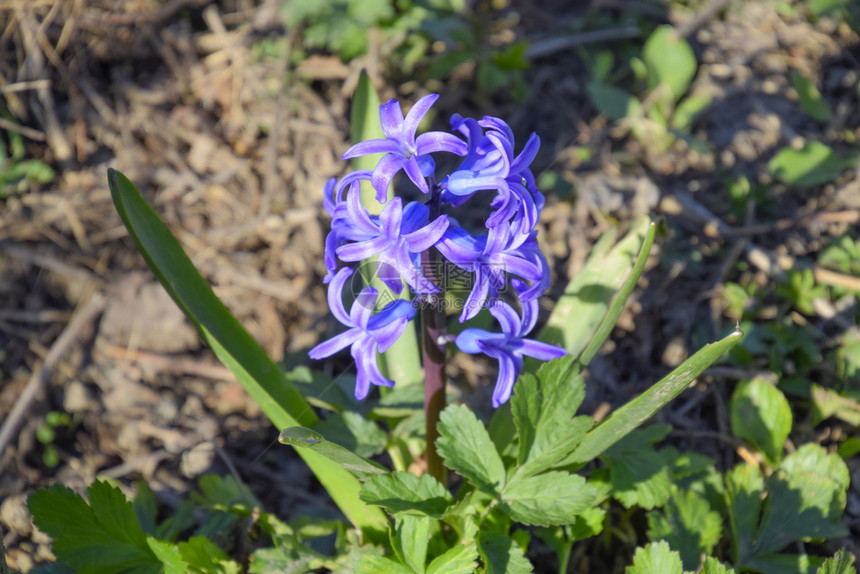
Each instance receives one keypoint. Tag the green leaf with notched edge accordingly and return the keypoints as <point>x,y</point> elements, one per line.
<point>543,408</point>
<point>639,475</point>
<point>169,555</point>
<point>404,492</point>
<point>587,298</point>
<point>760,414</point>
<point>409,539</point>
<point>501,555</point>
<point>688,524</point>
<point>840,563</point>
<point>643,407</point>
<point>656,558</point>
<point>549,498</point>
<point>714,566</point>
<point>466,448</point>
<point>461,559</point>
<point>812,165</point>
<point>245,358</point>
<point>302,438</point>
<point>806,498</point>
<point>100,537</point>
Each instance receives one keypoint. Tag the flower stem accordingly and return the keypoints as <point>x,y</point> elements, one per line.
<point>433,348</point>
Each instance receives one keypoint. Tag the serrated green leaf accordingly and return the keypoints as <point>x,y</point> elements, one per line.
<point>638,473</point>
<point>372,564</point>
<point>204,557</point>
<point>689,525</point>
<point>501,555</point>
<point>809,166</point>
<point>810,98</point>
<point>409,539</point>
<point>669,60</point>
<point>543,408</point>
<point>806,498</point>
<point>102,537</point>
<point>840,563</point>
<point>169,555</point>
<point>714,566</point>
<point>305,438</point>
<point>656,558</point>
<point>643,407</point>
<point>462,559</point>
<point>760,414</point>
<point>405,492</point>
<point>465,445</point>
<point>549,498</point>
<point>245,358</point>
<point>612,102</point>
<point>353,432</point>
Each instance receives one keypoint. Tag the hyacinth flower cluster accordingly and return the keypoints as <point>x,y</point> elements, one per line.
<point>502,260</point>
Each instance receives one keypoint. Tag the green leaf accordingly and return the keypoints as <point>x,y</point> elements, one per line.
<point>806,497</point>
<point>305,438</point>
<point>689,525</point>
<point>810,98</point>
<point>812,165</point>
<point>688,111</point>
<point>549,498</point>
<point>714,566</point>
<point>587,298</point>
<point>461,559</point>
<point>169,555</point>
<point>409,539</point>
<point>501,555</point>
<point>405,492</point>
<point>280,560</point>
<point>656,558</point>
<point>354,432</point>
<point>465,445</point>
<point>373,564</point>
<point>620,299</point>
<point>638,474</point>
<point>204,557</point>
<point>785,564</point>
<point>669,60</point>
<point>760,414</point>
<point>543,408</point>
<point>744,487</point>
<point>612,102</point>
<point>827,403</point>
<point>643,407</point>
<point>840,563</point>
<point>102,537</point>
<point>261,377</point>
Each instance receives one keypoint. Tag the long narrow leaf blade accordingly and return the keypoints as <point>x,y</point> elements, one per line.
<point>643,407</point>
<point>620,300</point>
<point>279,399</point>
<point>586,299</point>
<point>301,438</point>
